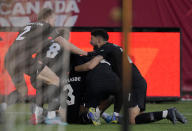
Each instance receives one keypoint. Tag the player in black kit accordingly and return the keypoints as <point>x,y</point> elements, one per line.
<point>139,86</point>
<point>101,82</point>
<point>113,54</point>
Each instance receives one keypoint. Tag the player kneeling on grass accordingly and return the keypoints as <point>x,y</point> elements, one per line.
<point>101,82</point>
<point>138,102</point>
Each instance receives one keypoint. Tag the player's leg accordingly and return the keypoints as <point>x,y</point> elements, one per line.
<point>99,91</point>
<point>149,117</point>
<point>104,105</point>
<point>37,107</point>
<point>137,107</point>
<point>58,103</point>
<point>48,76</point>
<point>44,94</point>
<point>94,92</point>
<point>20,94</point>
<point>118,101</point>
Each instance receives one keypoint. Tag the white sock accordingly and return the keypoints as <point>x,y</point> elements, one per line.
<point>165,113</point>
<point>116,114</point>
<point>104,115</point>
<point>38,110</point>
<point>3,106</point>
<point>98,112</point>
<point>51,114</point>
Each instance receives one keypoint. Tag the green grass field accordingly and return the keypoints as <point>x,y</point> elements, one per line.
<point>19,120</point>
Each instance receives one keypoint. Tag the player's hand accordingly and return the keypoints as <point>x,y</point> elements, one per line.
<point>85,53</point>
<point>59,39</point>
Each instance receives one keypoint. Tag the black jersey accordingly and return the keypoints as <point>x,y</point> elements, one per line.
<point>30,40</point>
<point>136,75</point>
<point>76,89</point>
<point>113,54</point>
<point>74,96</point>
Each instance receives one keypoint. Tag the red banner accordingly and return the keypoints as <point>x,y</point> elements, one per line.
<point>146,13</point>
<point>150,51</point>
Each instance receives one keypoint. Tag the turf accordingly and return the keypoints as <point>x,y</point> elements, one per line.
<point>18,117</point>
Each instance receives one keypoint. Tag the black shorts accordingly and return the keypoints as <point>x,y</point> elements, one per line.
<point>138,94</point>
<point>17,68</point>
<point>99,87</point>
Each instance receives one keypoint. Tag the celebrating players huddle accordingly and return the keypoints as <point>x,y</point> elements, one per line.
<point>78,86</point>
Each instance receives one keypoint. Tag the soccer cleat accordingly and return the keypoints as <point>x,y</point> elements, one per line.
<point>37,115</point>
<point>115,119</point>
<point>55,121</point>
<point>171,115</point>
<point>94,116</point>
<point>180,117</point>
<point>35,119</point>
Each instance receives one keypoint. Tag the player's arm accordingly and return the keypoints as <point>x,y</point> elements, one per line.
<point>90,64</point>
<point>69,46</point>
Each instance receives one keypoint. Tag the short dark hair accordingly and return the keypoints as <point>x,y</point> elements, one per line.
<point>45,13</point>
<point>100,32</point>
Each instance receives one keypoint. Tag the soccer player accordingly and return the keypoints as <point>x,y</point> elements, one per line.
<point>19,60</point>
<point>101,82</point>
<point>138,102</point>
<point>113,54</point>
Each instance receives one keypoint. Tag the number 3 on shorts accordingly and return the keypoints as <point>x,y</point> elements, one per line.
<point>70,94</point>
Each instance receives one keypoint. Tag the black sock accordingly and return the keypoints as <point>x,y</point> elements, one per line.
<point>149,117</point>
<point>54,104</point>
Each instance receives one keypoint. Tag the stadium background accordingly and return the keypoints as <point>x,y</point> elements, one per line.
<point>87,13</point>
<point>148,13</point>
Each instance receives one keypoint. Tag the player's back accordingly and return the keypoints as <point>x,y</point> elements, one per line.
<point>113,54</point>
<point>52,55</point>
<point>29,41</point>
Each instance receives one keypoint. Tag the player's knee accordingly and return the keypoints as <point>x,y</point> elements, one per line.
<point>48,76</point>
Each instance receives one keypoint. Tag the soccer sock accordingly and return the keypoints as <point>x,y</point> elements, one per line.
<point>97,110</point>
<point>38,110</point>
<point>3,107</point>
<point>51,114</point>
<point>115,113</point>
<point>149,117</point>
<point>165,113</point>
<point>54,104</point>
<point>104,115</point>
